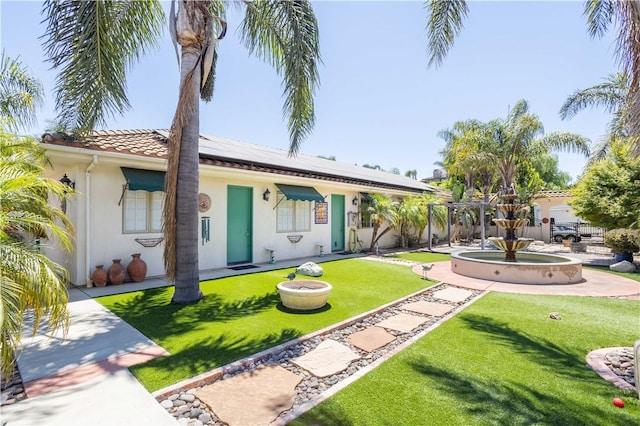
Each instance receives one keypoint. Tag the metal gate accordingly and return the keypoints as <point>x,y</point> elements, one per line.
<point>576,231</point>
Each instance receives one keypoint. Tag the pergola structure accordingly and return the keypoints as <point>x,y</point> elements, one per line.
<point>449,206</point>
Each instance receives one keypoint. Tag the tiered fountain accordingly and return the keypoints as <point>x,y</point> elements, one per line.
<point>510,243</point>
<point>528,268</point>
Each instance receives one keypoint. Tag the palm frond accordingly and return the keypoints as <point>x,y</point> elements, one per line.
<point>599,14</point>
<point>567,141</point>
<point>93,44</point>
<point>20,93</point>
<point>285,35</point>
<point>610,95</point>
<point>29,280</point>
<point>444,22</point>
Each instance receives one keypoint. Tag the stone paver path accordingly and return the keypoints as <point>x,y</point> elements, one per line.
<point>429,308</point>
<point>402,322</point>
<point>330,357</point>
<point>371,339</point>
<point>452,294</point>
<point>252,398</point>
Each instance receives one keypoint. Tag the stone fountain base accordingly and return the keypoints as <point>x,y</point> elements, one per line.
<point>530,268</point>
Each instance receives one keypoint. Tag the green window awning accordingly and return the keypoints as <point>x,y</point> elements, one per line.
<point>366,197</point>
<point>301,193</point>
<point>143,180</point>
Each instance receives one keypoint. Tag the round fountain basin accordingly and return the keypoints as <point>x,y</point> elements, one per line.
<point>530,268</point>
<point>304,295</point>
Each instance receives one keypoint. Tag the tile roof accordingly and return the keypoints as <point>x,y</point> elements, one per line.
<point>554,194</point>
<point>229,153</point>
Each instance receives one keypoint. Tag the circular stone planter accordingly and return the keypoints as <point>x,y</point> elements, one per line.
<point>304,295</point>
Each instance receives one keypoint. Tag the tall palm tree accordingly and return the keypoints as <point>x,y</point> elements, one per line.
<point>626,14</point>
<point>519,136</point>
<point>29,280</point>
<point>612,95</point>
<point>20,94</point>
<point>445,21</point>
<point>95,43</point>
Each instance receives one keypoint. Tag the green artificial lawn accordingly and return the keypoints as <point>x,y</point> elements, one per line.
<point>501,361</point>
<point>242,315</point>
<point>421,256</point>
<point>631,275</point>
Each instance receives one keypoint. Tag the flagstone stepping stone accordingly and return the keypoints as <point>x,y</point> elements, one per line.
<point>402,322</point>
<point>452,294</point>
<point>328,358</point>
<point>429,308</point>
<point>371,339</point>
<point>255,397</point>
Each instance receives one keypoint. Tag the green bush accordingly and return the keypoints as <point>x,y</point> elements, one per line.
<point>623,240</point>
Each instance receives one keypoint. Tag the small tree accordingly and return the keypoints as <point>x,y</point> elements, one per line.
<point>608,195</point>
<point>382,210</point>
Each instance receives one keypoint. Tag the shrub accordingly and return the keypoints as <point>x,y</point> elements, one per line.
<point>623,240</point>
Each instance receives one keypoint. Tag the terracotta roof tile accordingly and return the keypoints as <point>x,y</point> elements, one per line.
<point>153,144</point>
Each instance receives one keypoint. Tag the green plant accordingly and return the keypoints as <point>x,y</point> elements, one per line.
<point>623,240</point>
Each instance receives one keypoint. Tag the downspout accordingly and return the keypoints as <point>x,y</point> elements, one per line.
<point>87,199</point>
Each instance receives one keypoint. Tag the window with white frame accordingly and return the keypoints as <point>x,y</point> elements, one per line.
<point>142,211</point>
<point>293,215</point>
<point>365,213</point>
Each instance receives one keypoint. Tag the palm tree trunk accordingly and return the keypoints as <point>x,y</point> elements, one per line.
<point>187,278</point>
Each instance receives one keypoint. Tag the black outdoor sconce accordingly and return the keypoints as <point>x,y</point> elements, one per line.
<point>355,201</point>
<point>266,194</point>
<point>67,182</point>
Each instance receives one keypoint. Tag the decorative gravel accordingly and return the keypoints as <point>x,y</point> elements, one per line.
<point>311,386</point>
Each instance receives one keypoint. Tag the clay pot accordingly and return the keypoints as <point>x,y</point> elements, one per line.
<point>137,269</point>
<point>99,276</point>
<point>117,273</point>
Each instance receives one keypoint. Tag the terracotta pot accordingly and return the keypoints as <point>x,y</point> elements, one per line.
<point>117,273</point>
<point>99,276</point>
<point>137,269</point>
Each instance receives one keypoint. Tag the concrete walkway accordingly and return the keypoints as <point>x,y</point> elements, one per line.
<point>82,378</point>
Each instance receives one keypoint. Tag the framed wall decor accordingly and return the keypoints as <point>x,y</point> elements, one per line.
<point>322,212</point>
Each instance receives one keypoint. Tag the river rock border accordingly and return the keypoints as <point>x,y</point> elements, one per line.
<point>179,400</point>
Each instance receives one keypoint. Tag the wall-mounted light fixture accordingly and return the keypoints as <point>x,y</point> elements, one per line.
<point>67,182</point>
<point>266,194</point>
<point>355,200</point>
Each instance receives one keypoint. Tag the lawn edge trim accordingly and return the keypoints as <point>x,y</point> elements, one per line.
<point>211,376</point>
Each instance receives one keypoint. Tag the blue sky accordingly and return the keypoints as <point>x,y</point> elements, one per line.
<point>378,102</point>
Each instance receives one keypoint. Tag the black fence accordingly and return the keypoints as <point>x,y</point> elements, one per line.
<point>577,231</point>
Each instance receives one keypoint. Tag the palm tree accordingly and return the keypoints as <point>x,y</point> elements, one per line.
<point>95,43</point>
<point>466,154</point>
<point>382,210</point>
<point>29,280</point>
<point>446,17</point>
<point>612,96</point>
<point>519,136</point>
<point>20,94</point>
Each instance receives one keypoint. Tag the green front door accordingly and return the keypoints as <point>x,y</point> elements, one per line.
<point>337,222</point>
<point>239,224</point>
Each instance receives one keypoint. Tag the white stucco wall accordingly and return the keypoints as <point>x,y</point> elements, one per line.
<point>98,219</point>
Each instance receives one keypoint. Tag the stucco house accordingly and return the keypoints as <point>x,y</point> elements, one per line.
<point>256,203</point>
